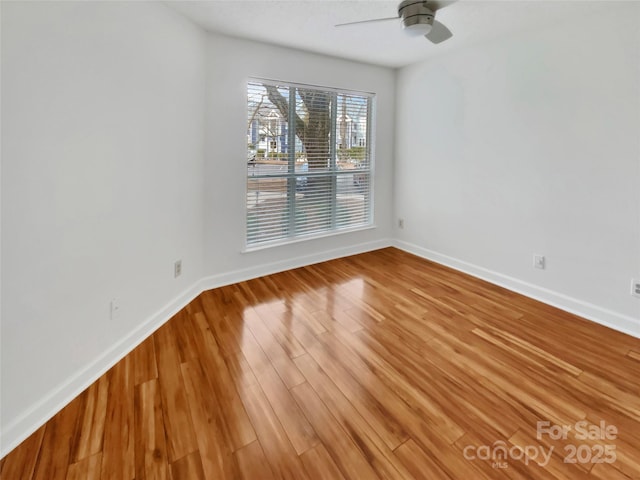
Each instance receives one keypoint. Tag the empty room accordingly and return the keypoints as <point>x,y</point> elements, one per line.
<point>281,239</point>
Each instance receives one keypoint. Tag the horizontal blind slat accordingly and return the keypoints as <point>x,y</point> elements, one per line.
<point>297,182</point>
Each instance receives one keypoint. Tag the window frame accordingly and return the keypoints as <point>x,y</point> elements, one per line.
<point>333,172</point>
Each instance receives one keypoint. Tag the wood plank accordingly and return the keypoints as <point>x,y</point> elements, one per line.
<point>177,417</point>
<point>86,469</point>
<point>300,432</point>
<point>184,339</point>
<point>188,467</point>
<point>235,422</point>
<point>253,464</point>
<point>282,335</point>
<point>418,463</point>
<point>627,401</point>
<point>240,370</point>
<point>90,429</point>
<point>144,362</point>
<point>350,459</point>
<point>500,465</point>
<point>458,390</point>
<point>398,395</point>
<point>336,319</point>
<point>21,462</point>
<point>277,355</point>
<point>118,454</point>
<point>320,465</point>
<point>227,337</point>
<point>278,450</point>
<point>604,471</point>
<point>150,445</point>
<point>214,445</point>
<point>55,450</point>
<point>491,365</point>
<point>537,352</point>
<point>379,455</point>
<point>368,405</point>
<point>556,468</point>
<point>298,429</point>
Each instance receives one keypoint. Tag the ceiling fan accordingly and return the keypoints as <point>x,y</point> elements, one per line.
<point>418,18</point>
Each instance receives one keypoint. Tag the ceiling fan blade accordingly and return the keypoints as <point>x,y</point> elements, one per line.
<point>439,33</point>
<point>438,4</point>
<point>367,21</point>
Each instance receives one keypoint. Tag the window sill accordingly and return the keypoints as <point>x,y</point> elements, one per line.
<point>289,241</point>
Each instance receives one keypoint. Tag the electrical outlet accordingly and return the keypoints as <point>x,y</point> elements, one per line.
<point>177,268</point>
<point>401,223</point>
<point>635,288</point>
<point>114,308</point>
<point>539,261</point>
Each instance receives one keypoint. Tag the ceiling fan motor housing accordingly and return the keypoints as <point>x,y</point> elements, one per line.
<point>414,12</point>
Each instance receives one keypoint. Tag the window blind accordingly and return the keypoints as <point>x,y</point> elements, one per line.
<point>309,168</point>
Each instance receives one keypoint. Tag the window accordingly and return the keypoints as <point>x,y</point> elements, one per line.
<point>309,169</point>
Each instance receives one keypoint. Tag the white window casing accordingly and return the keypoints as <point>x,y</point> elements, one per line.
<point>309,162</point>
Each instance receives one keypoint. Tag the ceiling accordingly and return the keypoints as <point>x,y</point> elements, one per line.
<point>309,24</point>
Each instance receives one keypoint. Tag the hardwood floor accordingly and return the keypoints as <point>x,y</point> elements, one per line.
<point>380,365</point>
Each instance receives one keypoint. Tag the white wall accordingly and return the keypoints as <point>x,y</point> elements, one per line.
<point>123,147</point>
<point>102,189</point>
<point>107,179</point>
<point>231,62</point>
<point>530,144</point>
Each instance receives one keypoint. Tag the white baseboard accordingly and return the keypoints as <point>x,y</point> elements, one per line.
<point>45,408</point>
<point>603,316</point>
<point>236,276</point>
